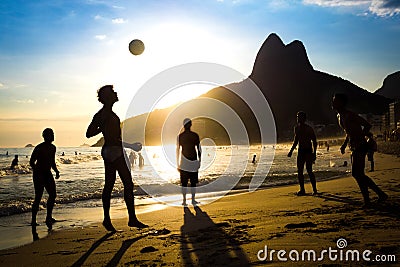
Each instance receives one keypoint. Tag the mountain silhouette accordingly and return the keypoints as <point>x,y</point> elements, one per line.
<point>288,81</point>
<point>390,87</point>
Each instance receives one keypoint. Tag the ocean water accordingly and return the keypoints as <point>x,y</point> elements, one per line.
<point>82,173</point>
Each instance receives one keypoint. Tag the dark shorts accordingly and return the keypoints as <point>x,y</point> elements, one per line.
<point>41,181</point>
<point>186,176</point>
<point>370,156</point>
<point>42,178</point>
<point>359,148</point>
<point>305,157</point>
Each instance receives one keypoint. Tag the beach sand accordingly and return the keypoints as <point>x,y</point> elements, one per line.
<point>232,230</point>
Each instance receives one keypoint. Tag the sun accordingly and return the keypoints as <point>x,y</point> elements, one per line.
<point>182,94</point>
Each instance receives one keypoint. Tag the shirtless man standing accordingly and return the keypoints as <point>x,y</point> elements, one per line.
<point>304,136</point>
<point>188,158</point>
<point>42,161</point>
<point>356,129</point>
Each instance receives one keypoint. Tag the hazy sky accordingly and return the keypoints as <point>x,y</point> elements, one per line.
<point>55,54</point>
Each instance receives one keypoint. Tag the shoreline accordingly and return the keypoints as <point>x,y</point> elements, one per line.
<point>16,231</point>
<point>277,175</point>
<point>233,229</point>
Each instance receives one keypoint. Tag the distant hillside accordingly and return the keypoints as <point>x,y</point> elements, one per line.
<point>390,87</point>
<point>289,82</point>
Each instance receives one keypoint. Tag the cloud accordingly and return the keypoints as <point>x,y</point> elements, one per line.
<point>101,37</point>
<point>118,7</point>
<point>118,21</point>
<point>377,7</point>
<point>385,7</point>
<point>58,119</point>
<point>4,86</point>
<point>98,17</point>
<point>335,3</point>
<point>24,101</point>
<point>233,2</point>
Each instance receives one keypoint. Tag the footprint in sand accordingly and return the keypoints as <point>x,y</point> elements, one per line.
<point>148,249</point>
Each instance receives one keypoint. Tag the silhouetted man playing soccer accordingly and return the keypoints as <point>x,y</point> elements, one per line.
<point>42,161</point>
<point>305,137</point>
<point>356,129</point>
<point>107,122</point>
<point>188,159</point>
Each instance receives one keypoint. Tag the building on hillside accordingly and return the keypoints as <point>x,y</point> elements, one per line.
<point>394,115</point>
<point>375,121</point>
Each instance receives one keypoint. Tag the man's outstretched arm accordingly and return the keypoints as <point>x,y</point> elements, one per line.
<point>93,128</point>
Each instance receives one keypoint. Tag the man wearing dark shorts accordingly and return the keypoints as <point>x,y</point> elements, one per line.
<point>42,161</point>
<point>188,159</point>
<point>304,136</point>
<point>356,129</point>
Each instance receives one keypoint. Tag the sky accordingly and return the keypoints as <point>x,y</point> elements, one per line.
<point>55,54</point>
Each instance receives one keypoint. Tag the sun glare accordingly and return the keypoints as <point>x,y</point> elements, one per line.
<point>182,94</point>
<point>167,45</point>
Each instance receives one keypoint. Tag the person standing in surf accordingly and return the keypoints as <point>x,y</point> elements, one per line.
<point>42,161</point>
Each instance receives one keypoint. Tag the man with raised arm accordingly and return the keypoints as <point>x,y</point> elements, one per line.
<point>107,122</point>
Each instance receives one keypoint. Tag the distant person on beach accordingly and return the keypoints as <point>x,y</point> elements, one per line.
<point>105,121</point>
<point>42,161</point>
<point>188,158</point>
<point>372,148</point>
<point>254,159</point>
<point>356,129</point>
<point>305,137</point>
<point>141,160</point>
<point>132,158</point>
<point>14,162</point>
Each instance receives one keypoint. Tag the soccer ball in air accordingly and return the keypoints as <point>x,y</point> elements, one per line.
<point>136,47</point>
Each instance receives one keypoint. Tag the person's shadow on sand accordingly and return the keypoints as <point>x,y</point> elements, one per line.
<point>388,208</point>
<point>126,244</point>
<point>205,243</point>
<point>95,245</point>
